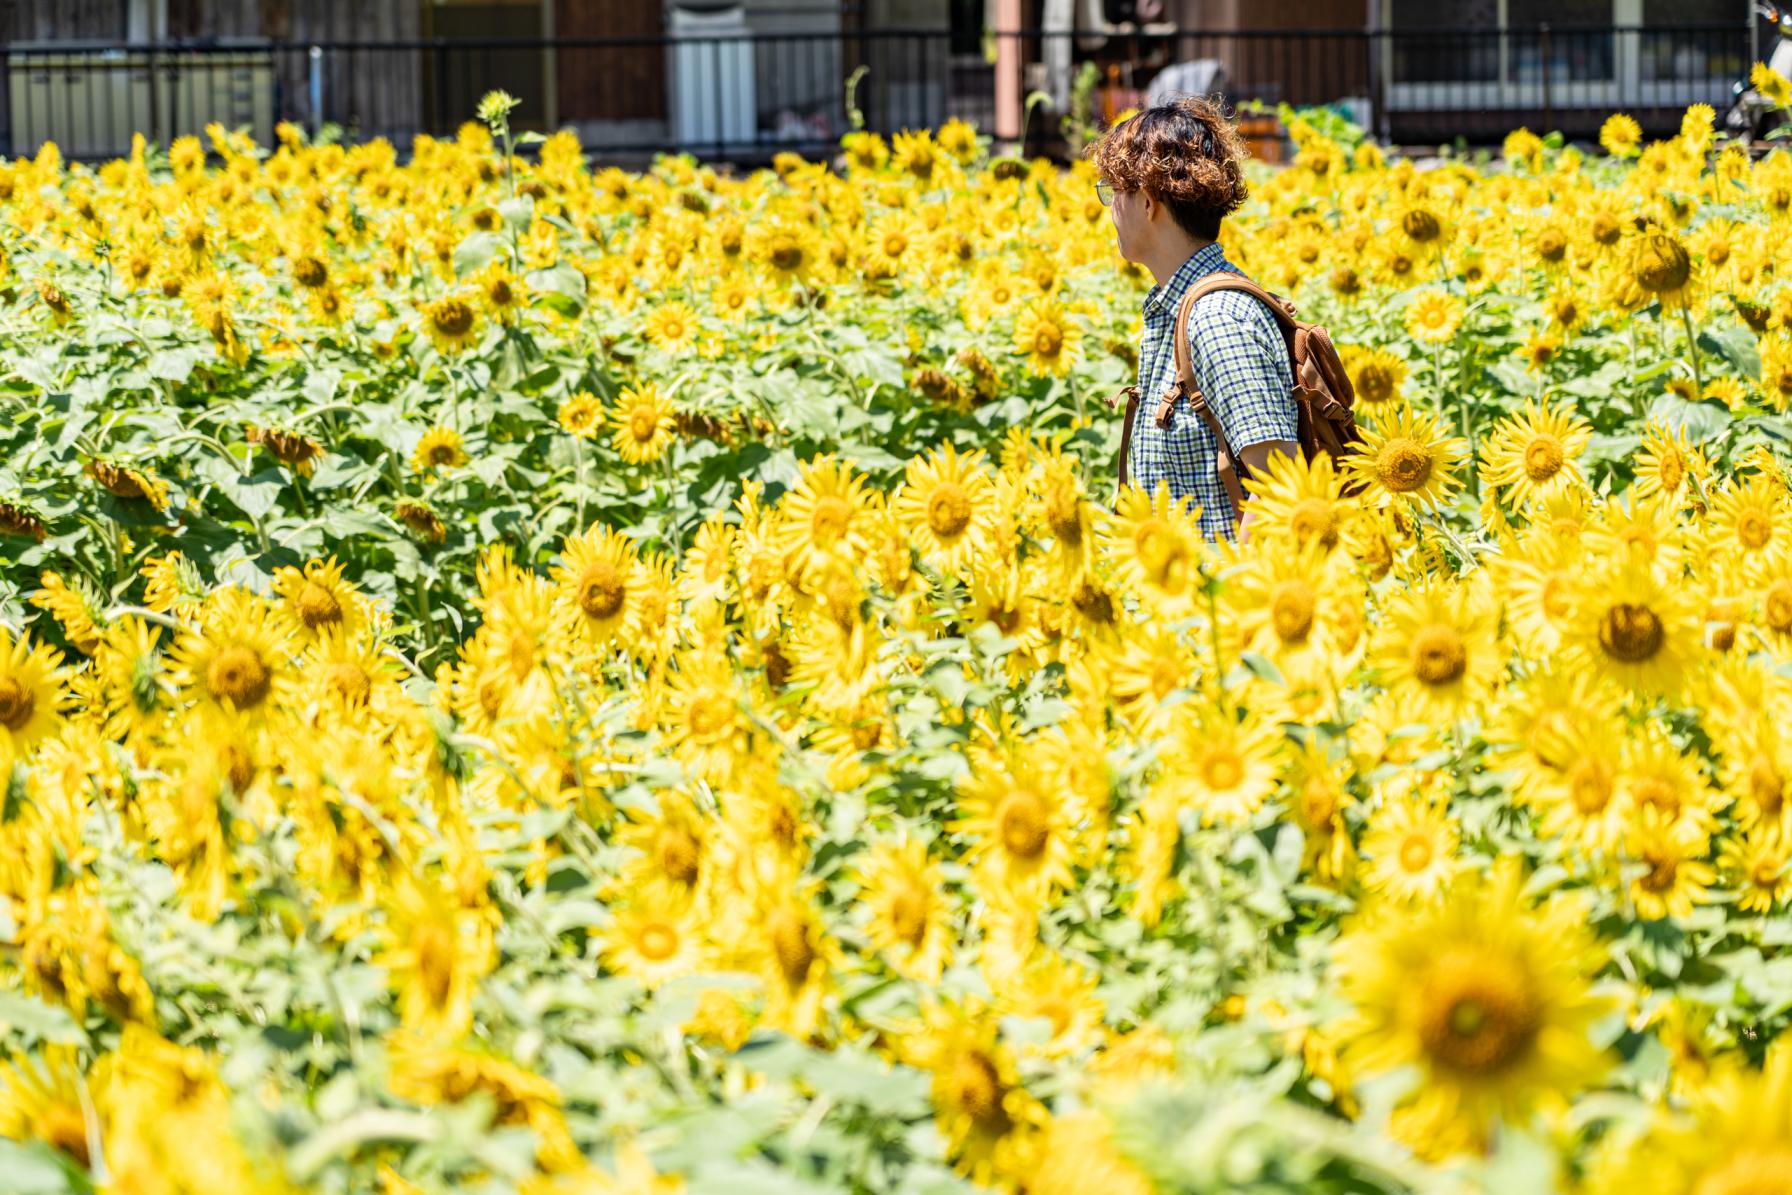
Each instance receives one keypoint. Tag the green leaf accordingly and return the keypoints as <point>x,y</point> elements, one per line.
<point>475,252</point>
<point>28,1015</point>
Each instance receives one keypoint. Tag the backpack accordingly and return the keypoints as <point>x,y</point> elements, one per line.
<point>1322,393</point>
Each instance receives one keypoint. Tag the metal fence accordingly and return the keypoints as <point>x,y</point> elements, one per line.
<point>747,97</point>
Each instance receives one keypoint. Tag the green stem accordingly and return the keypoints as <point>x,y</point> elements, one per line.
<point>1692,349</point>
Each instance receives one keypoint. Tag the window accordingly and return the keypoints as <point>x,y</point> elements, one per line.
<point>967,26</point>
<point>1571,52</point>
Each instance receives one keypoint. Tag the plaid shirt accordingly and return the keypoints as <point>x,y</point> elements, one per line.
<point>1241,364</point>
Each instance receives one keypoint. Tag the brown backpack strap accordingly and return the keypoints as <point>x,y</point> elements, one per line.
<point>1230,468</point>
<point>1132,406</point>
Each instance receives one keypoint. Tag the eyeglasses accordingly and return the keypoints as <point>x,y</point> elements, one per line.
<point>1104,191</point>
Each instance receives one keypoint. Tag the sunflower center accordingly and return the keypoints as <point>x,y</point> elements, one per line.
<point>1024,826</point>
<point>830,519</point>
<point>238,675</point>
<point>948,510</point>
<point>1222,769</point>
<point>642,425</point>
<point>977,1088</point>
<point>680,857</point>
<point>791,945</point>
<point>1315,519</point>
<point>709,715</point>
<point>601,590</point>
<point>1404,465</point>
<point>1047,340</point>
<point>435,961</point>
<point>1439,656</point>
<point>1766,785</point>
<point>1415,853</point>
<point>1318,801</point>
<point>453,317</point>
<point>1670,471</point>
<point>787,255</point>
<point>317,605</point>
<point>1543,458</point>
<point>1630,633</point>
<point>16,703</point>
<point>1754,529</point>
<point>908,915</point>
<point>62,1126</point>
<point>657,942</point>
<point>1291,610</point>
<point>1375,383</point>
<point>1477,1013</point>
<point>349,681</point>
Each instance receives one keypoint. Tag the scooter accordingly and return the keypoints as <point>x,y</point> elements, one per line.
<point>1751,115</point>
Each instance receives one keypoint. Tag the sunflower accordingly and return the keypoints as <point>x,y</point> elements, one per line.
<point>1018,825</point>
<point>785,249</point>
<point>652,944</point>
<point>1635,629</point>
<point>1158,549</point>
<point>643,421</point>
<point>891,244</point>
<point>788,940</point>
<point>945,509</point>
<point>33,694</point>
<point>236,660</point>
<point>1406,455</point>
<point>1664,463</point>
<point>451,323</point>
<point>437,950</point>
<point>701,717</point>
<point>581,415</point>
<point>1672,875</point>
<point>1661,267</point>
<point>439,450</point>
<point>1220,764</point>
<point>672,327</point>
<point>133,676</point>
<point>596,580</point>
<point>1283,604</point>
<point>1621,136</point>
<point>1735,1138</point>
<point>318,599</point>
<point>1773,86</point>
<point>1299,499</point>
<point>1376,375</point>
<point>1433,317</point>
<point>916,154</point>
<point>987,1117</point>
<point>1534,453</point>
<point>907,910</point>
<point>1436,650</point>
<point>42,1099</point>
<point>673,863</point>
<point>1751,516</point>
<point>1487,998</point>
<point>1048,339</point>
<point>1410,848</point>
<point>1758,865</point>
<point>827,512</point>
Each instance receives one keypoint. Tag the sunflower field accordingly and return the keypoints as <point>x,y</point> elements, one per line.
<point>523,677</point>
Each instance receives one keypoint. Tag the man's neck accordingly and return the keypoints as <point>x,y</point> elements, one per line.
<point>1164,263</point>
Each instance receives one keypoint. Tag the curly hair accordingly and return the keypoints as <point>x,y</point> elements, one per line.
<point>1184,153</point>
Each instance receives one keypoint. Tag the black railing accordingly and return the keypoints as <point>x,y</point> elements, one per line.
<point>748,97</point>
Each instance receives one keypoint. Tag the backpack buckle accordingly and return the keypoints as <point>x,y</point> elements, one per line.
<point>1166,403</point>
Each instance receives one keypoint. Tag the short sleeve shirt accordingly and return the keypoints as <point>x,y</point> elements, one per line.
<point>1241,364</point>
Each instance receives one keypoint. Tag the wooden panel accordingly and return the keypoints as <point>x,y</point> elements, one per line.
<point>610,83</point>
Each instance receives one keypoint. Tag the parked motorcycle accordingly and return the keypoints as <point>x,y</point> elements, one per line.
<point>1752,115</point>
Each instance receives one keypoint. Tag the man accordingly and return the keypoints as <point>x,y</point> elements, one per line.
<point>1170,175</point>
